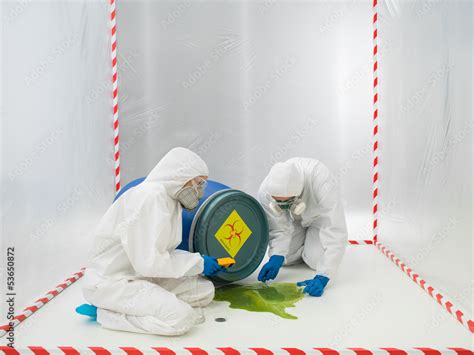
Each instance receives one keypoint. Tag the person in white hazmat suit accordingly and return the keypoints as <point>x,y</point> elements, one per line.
<point>137,279</point>
<point>306,220</point>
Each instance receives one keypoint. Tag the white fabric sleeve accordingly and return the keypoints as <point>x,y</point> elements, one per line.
<point>332,233</point>
<point>281,228</point>
<point>148,239</point>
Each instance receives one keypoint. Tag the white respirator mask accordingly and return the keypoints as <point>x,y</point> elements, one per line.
<point>189,196</point>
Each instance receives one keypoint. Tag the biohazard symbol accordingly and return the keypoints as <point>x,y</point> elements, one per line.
<point>233,233</point>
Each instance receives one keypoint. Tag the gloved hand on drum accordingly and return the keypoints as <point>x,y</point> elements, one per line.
<point>211,266</point>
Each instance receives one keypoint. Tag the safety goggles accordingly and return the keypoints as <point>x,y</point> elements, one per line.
<point>283,204</point>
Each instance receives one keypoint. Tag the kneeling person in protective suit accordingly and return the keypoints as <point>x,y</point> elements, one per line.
<point>137,279</point>
<point>306,220</point>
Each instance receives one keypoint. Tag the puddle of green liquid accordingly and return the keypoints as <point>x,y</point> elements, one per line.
<point>274,298</point>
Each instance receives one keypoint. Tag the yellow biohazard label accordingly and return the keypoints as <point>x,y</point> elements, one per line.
<point>233,233</point>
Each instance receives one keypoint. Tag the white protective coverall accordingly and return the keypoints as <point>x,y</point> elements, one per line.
<point>319,235</point>
<point>137,278</point>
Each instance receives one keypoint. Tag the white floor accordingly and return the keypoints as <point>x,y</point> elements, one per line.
<point>370,304</point>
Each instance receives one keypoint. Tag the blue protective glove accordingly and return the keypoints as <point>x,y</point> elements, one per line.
<point>314,287</point>
<point>88,310</point>
<point>211,267</point>
<point>270,270</point>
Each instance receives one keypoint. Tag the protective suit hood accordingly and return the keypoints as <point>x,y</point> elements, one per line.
<point>176,168</point>
<point>284,180</point>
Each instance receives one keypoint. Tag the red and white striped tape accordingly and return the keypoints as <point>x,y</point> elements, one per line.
<point>113,39</point>
<point>375,182</point>
<point>28,311</point>
<point>361,242</point>
<point>448,305</point>
<point>38,350</point>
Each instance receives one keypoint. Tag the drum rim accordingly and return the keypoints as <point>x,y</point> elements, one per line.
<point>198,214</point>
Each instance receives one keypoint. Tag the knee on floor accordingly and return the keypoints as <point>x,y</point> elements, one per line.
<point>208,293</point>
<point>183,320</point>
<point>203,296</point>
<point>178,323</point>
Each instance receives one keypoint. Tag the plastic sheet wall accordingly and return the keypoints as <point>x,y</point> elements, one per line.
<point>426,128</point>
<point>244,84</point>
<point>247,84</point>
<point>56,138</point>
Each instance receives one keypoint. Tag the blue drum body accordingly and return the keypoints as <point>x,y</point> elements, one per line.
<point>226,223</point>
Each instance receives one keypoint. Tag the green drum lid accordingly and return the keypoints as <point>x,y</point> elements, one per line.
<point>231,224</point>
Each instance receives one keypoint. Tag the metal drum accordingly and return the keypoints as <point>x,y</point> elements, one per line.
<point>227,223</point>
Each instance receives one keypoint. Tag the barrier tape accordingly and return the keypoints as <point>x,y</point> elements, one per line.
<point>113,39</point>
<point>28,311</point>
<point>435,294</point>
<point>361,242</point>
<point>448,305</point>
<point>375,178</point>
<point>38,350</point>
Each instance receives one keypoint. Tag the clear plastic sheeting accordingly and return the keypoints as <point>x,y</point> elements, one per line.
<point>56,138</point>
<point>246,84</point>
<point>426,128</point>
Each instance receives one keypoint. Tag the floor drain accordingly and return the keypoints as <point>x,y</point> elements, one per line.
<point>220,320</point>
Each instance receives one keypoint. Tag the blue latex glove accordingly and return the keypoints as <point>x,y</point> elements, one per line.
<point>211,267</point>
<point>315,287</point>
<point>270,270</point>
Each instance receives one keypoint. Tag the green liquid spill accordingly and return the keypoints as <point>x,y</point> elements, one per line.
<point>274,298</point>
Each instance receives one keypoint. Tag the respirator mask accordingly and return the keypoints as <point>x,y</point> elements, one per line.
<point>294,205</point>
<point>189,196</point>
